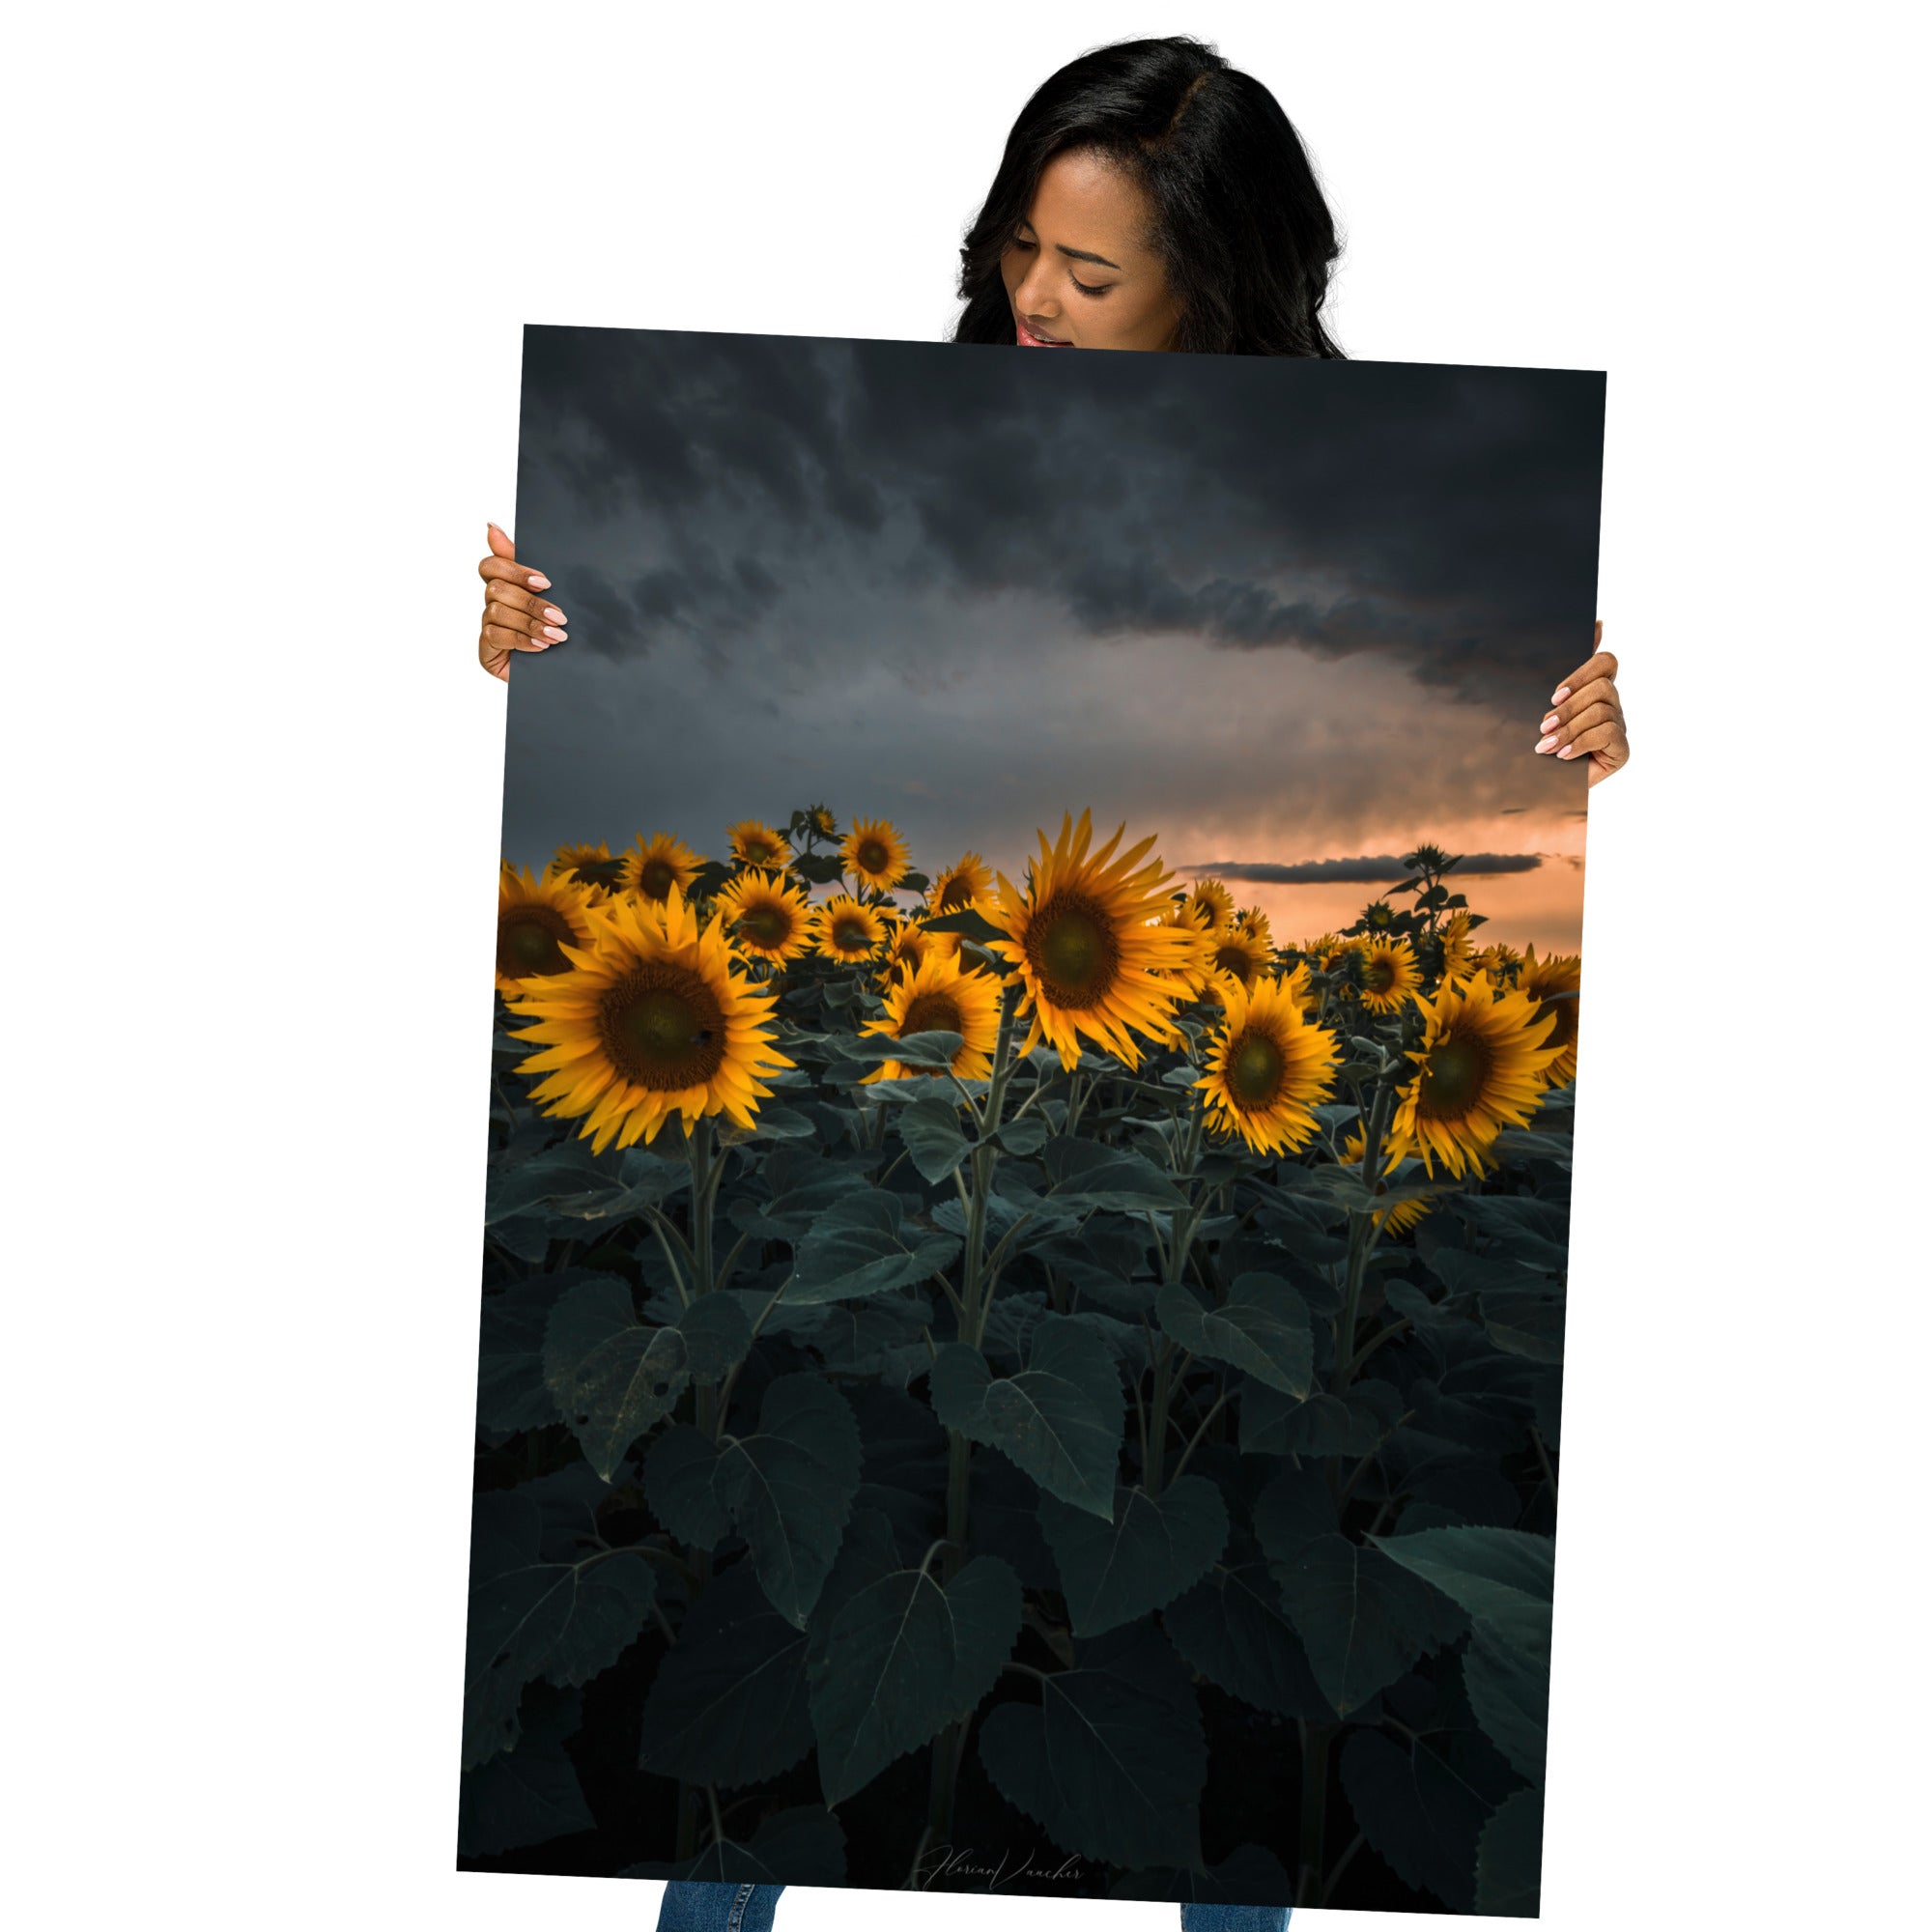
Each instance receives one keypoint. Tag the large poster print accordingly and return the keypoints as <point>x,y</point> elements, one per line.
<point>1036,1025</point>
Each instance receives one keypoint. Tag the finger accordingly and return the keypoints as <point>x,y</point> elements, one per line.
<point>511,597</point>
<point>502,639</point>
<point>504,617</point>
<point>1599,691</point>
<point>500,542</point>
<point>1586,720</point>
<point>498,570</point>
<point>1599,738</point>
<point>1604,665</point>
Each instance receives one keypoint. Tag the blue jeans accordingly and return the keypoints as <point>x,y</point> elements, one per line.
<point>691,1907</point>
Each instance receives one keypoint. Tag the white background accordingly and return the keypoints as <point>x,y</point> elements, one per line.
<point>268,268</point>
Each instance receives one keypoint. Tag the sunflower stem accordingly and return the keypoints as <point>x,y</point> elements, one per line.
<point>1362,1233</point>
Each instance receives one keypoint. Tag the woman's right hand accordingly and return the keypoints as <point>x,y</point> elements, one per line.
<point>515,618</point>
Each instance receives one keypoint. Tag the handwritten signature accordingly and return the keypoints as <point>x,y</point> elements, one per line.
<point>966,1864</point>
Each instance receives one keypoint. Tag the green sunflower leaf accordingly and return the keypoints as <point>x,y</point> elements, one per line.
<point>1111,1760</point>
<point>934,1140</point>
<point>905,1657</point>
<point>1262,1328</point>
<point>562,1621</point>
<point>1362,1618</point>
<point>727,1706</point>
<point>789,1490</point>
<point>1061,1418</point>
<point>858,1246</point>
<point>612,1376</point>
<point>1153,1549</point>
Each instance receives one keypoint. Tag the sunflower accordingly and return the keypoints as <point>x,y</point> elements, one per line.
<point>1298,986</point>
<point>1499,961</point>
<point>1482,1066</point>
<point>1405,1214</point>
<point>1252,919</point>
<point>771,917</point>
<point>1330,953</point>
<point>936,996</point>
<point>874,852</point>
<point>842,928</point>
<point>1459,956</point>
<point>1267,1067</point>
<point>908,944</point>
<point>536,919</point>
<point>653,1022</point>
<point>962,884</point>
<point>755,843</point>
<point>1544,980</point>
<point>1238,955</point>
<point>1214,903</point>
<point>656,867</point>
<point>818,819</point>
<point>1195,967</point>
<point>1389,973</point>
<point>589,865</point>
<point>1080,936</point>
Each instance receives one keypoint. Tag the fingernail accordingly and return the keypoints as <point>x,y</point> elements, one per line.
<point>1567,751</point>
<point>1548,743</point>
<point>1548,724</point>
<point>537,581</point>
<point>497,528</point>
<point>1558,696</point>
<point>538,644</point>
<point>555,636</point>
<point>555,616</point>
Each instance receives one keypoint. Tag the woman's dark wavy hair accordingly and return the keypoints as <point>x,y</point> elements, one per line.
<point>1240,223</point>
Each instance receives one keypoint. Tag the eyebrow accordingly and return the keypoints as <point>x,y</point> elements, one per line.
<point>1080,254</point>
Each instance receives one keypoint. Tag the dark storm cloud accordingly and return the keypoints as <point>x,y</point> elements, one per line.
<point>1359,871</point>
<point>1447,514</point>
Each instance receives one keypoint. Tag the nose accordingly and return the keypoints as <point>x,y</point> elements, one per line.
<point>1031,296</point>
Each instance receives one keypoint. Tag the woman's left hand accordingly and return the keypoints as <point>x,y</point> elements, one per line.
<point>1586,716</point>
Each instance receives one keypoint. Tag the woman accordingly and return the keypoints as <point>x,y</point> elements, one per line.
<point>1149,197</point>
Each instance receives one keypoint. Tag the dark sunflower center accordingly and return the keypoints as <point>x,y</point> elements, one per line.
<point>873,855</point>
<point>1070,944</point>
<point>599,871</point>
<point>766,924</point>
<point>1235,959</point>
<point>1456,1078</point>
<point>528,942</point>
<point>761,850</point>
<point>958,895</point>
<point>656,878</point>
<point>931,1012</point>
<point>1378,976</point>
<point>1255,1065</point>
<point>663,1028</point>
<point>850,935</point>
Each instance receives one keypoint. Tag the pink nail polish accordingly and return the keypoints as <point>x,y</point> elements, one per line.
<point>555,616</point>
<point>1550,723</point>
<point>538,644</point>
<point>555,636</point>
<point>1567,751</point>
<point>1548,744</point>
<point>539,581</point>
<point>1558,696</point>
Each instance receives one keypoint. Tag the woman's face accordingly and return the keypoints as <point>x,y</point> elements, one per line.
<point>1078,271</point>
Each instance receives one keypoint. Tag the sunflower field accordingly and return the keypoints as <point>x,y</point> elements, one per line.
<point>1040,1375</point>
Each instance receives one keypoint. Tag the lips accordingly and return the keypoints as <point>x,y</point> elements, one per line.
<point>1026,339</point>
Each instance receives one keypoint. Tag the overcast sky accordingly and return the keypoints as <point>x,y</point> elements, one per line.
<point>1292,616</point>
